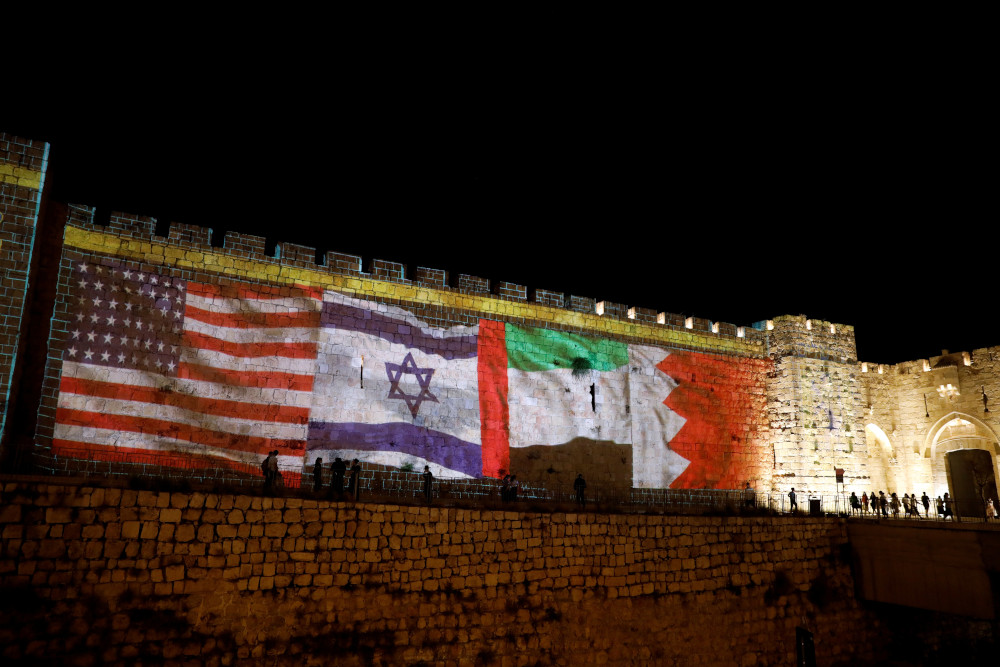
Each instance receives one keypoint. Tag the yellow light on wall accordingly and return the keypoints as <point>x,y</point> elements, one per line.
<point>770,325</point>
<point>689,323</point>
<point>927,365</point>
<point>741,332</point>
<point>809,325</point>
<point>966,358</point>
<point>599,308</point>
<point>864,366</point>
<point>833,329</point>
<point>661,318</point>
<point>948,391</point>
<point>715,327</point>
<point>631,313</point>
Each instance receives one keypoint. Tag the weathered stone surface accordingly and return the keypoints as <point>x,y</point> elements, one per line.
<point>603,588</point>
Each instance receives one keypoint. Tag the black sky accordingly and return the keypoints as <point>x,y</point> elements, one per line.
<point>856,196</point>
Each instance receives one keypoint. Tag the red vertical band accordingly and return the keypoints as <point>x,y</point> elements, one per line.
<point>494,415</point>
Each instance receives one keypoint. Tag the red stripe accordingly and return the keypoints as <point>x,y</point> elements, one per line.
<point>287,350</point>
<point>241,291</point>
<point>494,414</point>
<point>209,406</point>
<point>89,451</point>
<point>177,431</point>
<point>246,319</point>
<point>262,379</point>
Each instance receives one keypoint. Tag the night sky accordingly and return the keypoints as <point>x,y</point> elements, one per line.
<point>859,202</point>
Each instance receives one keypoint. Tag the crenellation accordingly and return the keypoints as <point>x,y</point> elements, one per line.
<point>671,320</point>
<point>610,309</point>
<point>801,336</point>
<point>82,216</point>
<point>385,270</point>
<point>546,297</point>
<point>296,255</point>
<point>724,328</point>
<point>582,304</point>
<point>246,245</point>
<point>189,235</point>
<point>131,226</point>
<point>254,247</point>
<point>473,284</point>
<point>640,314</point>
<point>432,277</point>
<point>510,291</point>
<point>697,324</point>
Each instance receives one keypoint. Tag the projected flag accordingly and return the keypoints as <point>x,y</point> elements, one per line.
<point>202,374</point>
<point>393,390</point>
<point>186,370</point>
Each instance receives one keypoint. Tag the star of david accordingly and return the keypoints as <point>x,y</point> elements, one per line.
<point>423,376</point>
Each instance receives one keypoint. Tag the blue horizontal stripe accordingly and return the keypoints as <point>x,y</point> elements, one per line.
<point>436,446</point>
<point>352,318</point>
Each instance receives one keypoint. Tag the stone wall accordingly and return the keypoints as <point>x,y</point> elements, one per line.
<point>815,404</point>
<point>887,426</point>
<point>22,180</point>
<point>627,396</point>
<point>121,577</point>
<point>914,425</point>
<point>139,364</point>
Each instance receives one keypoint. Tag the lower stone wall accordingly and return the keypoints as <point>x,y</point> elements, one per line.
<point>113,576</point>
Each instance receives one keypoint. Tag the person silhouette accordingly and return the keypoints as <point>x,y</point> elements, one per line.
<point>580,485</point>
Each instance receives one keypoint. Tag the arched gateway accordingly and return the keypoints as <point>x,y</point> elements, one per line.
<point>963,453</point>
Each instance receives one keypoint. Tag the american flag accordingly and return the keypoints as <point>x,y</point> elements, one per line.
<point>186,370</point>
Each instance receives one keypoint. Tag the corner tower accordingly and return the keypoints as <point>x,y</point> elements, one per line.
<point>23,163</point>
<point>815,405</point>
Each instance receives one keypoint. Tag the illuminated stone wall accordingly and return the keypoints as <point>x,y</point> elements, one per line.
<point>22,179</point>
<point>203,355</point>
<point>815,406</point>
<point>172,351</point>
<point>910,425</point>
<point>111,576</point>
<point>887,426</point>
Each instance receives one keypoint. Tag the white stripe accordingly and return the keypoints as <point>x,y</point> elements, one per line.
<point>249,426</point>
<point>127,376</point>
<point>247,364</point>
<point>130,440</point>
<point>654,425</point>
<point>389,458</point>
<point>229,305</point>
<point>252,334</point>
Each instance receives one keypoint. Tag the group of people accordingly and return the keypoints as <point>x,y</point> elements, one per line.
<point>339,470</point>
<point>882,504</point>
<point>509,487</point>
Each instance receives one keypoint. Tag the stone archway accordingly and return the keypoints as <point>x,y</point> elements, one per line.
<point>880,447</point>
<point>955,468</point>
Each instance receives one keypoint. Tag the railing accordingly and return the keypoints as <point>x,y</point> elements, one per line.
<point>379,483</point>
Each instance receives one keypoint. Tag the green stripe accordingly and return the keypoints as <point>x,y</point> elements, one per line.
<point>532,349</point>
